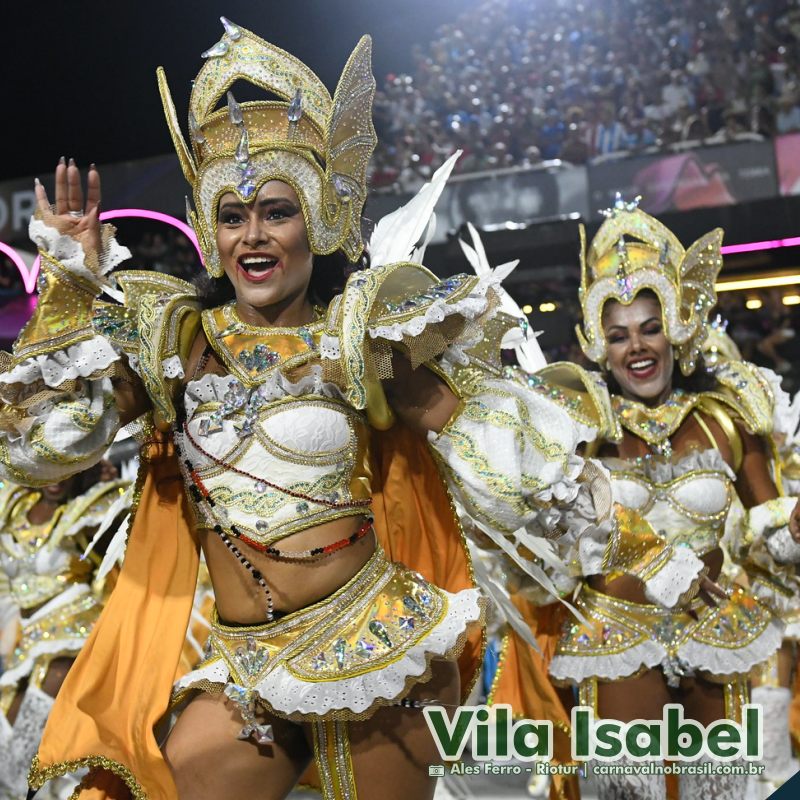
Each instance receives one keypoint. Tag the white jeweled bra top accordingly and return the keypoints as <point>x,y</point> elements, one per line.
<point>686,500</point>
<point>277,458</point>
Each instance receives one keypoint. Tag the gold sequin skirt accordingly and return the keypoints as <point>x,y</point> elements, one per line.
<point>362,647</point>
<point>623,638</point>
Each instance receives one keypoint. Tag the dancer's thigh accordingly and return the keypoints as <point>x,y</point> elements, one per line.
<point>702,700</point>
<point>392,750</point>
<point>209,762</point>
<point>640,697</point>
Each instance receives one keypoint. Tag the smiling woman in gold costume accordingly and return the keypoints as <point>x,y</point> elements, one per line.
<point>313,433</point>
<point>681,442</point>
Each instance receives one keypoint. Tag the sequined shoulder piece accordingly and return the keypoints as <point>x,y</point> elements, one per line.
<point>747,393</point>
<point>402,305</point>
<point>155,325</point>
<point>582,394</point>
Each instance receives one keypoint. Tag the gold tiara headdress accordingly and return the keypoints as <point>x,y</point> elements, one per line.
<point>319,145</point>
<point>633,251</point>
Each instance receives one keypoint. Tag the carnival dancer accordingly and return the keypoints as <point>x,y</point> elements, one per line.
<point>772,576</point>
<point>49,602</point>
<point>679,442</point>
<point>305,439</point>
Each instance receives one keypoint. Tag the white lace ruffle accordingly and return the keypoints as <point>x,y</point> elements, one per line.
<point>782,546</point>
<point>777,749</point>
<point>288,695</point>
<point>329,348</point>
<point>469,307</point>
<point>69,252</point>
<point>675,578</point>
<point>81,360</point>
<point>172,367</point>
<point>611,667</point>
<point>733,660</point>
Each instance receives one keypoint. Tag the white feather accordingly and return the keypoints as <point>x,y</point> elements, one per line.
<point>522,339</point>
<point>397,235</point>
<point>122,503</point>
<point>115,553</point>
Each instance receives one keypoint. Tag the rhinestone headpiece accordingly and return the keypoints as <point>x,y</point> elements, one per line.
<point>319,145</point>
<point>633,251</point>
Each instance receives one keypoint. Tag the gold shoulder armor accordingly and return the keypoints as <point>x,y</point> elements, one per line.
<point>157,324</point>
<point>386,306</point>
<point>582,394</point>
<point>743,388</point>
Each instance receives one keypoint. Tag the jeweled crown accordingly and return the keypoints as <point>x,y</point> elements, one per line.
<point>633,251</point>
<point>319,145</point>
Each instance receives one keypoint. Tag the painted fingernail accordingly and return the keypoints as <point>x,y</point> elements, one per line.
<point>72,162</point>
<point>62,160</point>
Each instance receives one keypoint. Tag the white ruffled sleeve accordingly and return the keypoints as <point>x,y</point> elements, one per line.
<point>769,522</point>
<point>58,415</point>
<point>509,458</point>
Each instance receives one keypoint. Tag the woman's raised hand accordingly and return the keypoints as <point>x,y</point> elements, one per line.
<point>71,215</point>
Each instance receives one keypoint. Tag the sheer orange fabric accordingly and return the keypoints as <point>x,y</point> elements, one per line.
<point>121,682</point>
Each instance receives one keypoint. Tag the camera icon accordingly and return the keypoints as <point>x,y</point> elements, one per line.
<point>436,771</point>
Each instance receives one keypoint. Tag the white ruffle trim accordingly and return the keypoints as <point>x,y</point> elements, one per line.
<point>782,546</point>
<point>675,578</point>
<point>733,660</point>
<point>329,348</point>
<point>288,695</point>
<point>172,367</point>
<point>469,307</point>
<point>611,667</point>
<point>81,360</point>
<point>70,254</point>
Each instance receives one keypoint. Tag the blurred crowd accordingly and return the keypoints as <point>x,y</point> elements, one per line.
<point>516,82</point>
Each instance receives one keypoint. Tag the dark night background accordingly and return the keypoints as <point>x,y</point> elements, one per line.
<point>78,78</point>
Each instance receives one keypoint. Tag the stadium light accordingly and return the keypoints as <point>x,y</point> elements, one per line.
<point>758,283</point>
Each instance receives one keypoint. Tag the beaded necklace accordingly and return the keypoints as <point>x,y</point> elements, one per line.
<point>201,494</point>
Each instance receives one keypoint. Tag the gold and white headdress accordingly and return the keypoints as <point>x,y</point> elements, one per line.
<point>616,268</point>
<point>319,145</point>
